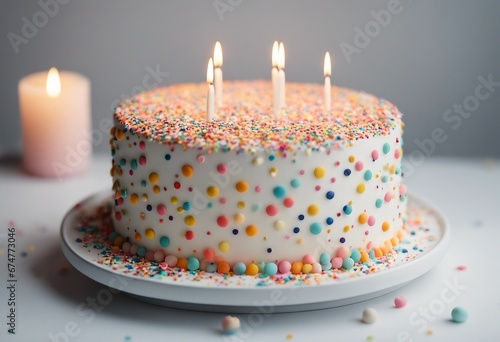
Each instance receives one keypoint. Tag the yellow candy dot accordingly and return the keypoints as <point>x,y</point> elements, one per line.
<point>112,171</point>
<point>119,134</point>
<point>252,269</point>
<point>252,230</point>
<point>279,225</point>
<point>393,169</point>
<point>187,170</point>
<point>300,241</point>
<point>313,209</point>
<point>174,200</point>
<point>150,233</point>
<point>239,218</point>
<point>190,220</point>
<point>346,229</point>
<point>212,191</point>
<point>119,241</point>
<point>241,204</point>
<point>364,256</point>
<point>307,268</point>
<point>363,218</point>
<point>319,172</point>
<point>112,130</point>
<point>224,246</point>
<point>361,188</point>
<point>351,159</point>
<point>156,189</point>
<point>273,172</point>
<point>395,241</point>
<point>180,210</point>
<point>134,199</point>
<point>143,216</point>
<point>385,226</point>
<point>241,186</point>
<point>137,237</point>
<point>153,177</point>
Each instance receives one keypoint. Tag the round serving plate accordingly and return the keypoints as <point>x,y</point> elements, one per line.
<point>417,253</point>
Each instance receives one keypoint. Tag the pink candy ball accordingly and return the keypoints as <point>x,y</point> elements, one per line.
<point>171,260</point>
<point>126,247</point>
<point>343,252</point>
<point>308,259</point>
<point>336,262</point>
<point>400,302</point>
<point>159,255</point>
<point>316,268</point>
<point>284,266</point>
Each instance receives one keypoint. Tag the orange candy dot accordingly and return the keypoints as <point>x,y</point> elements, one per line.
<point>187,170</point>
<point>252,230</point>
<point>363,218</point>
<point>241,186</point>
<point>134,199</point>
<point>212,191</point>
<point>252,269</point>
<point>137,237</point>
<point>296,267</point>
<point>209,254</point>
<point>182,263</point>
<point>153,177</point>
<point>386,226</point>
<point>223,267</point>
<point>319,172</point>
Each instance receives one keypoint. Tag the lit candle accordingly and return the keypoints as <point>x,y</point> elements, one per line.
<point>327,70</point>
<point>275,79</point>
<point>281,74</point>
<point>56,123</point>
<point>211,90</point>
<point>218,74</point>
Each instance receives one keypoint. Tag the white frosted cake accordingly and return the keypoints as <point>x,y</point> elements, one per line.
<point>249,192</point>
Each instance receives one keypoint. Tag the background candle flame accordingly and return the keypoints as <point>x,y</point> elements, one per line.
<point>210,71</point>
<point>275,54</point>
<point>217,55</point>
<point>53,83</point>
<point>327,68</point>
<point>281,57</point>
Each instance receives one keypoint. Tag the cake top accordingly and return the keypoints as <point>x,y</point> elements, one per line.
<point>177,115</point>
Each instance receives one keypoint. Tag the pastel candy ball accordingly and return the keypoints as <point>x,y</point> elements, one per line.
<point>308,259</point>
<point>159,255</point>
<point>400,302</point>
<point>355,255</point>
<point>343,252</point>
<point>284,266</point>
<point>316,268</point>
<point>348,263</point>
<point>270,269</point>
<point>171,260</point>
<point>459,315</point>
<point>193,264</point>
<point>369,316</point>
<point>337,262</point>
<point>239,268</point>
<point>230,325</point>
<point>211,267</point>
<point>324,258</point>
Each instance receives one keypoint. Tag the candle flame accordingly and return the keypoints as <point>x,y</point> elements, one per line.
<point>53,83</point>
<point>218,55</point>
<point>210,71</point>
<point>275,54</point>
<point>281,57</point>
<point>327,68</point>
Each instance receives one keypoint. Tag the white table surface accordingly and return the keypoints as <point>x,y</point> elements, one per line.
<point>52,296</point>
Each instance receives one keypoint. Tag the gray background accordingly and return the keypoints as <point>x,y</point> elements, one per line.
<point>428,58</point>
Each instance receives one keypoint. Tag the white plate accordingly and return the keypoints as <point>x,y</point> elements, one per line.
<point>243,294</point>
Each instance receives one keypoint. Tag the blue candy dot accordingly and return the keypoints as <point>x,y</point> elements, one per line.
<point>239,268</point>
<point>330,195</point>
<point>143,183</point>
<point>386,148</point>
<point>210,205</point>
<point>324,258</point>
<point>379,202</point>
<point>296,230</point>
<point>459,315</point>
<point>193,264</point>
<point>186,206</point>
<point>211,267</point>
<point>271,269</point>
<point>348,263</point>
<point>355,255</point>
<point>271,157</point>
<point>269,250</point>
<point>371,254</point>
<point>235,231</point>
<point>124,193</point>
<point>342,240</point>
<point>164,241</point>
<point>368,175</point>
<point>329,220</point>
<point>301,217</point>
<point>347,209</point>
<point>123,162</point>
<point>347,172</point>
<point>112,236</point>
<point>279,191</point>
<point>149,207</point>
<point>315,228</point>
<point>133,164</point>
<point>141,251</point>
<point>295,183</point>
<point>385,179</point>
<point>167,156</point>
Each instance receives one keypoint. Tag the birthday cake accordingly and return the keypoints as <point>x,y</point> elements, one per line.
<point>248,191</point>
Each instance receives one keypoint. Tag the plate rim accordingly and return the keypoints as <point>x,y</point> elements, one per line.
<point>146,286</point>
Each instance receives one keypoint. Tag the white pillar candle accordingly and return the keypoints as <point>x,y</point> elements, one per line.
<point>275,80</point>
<point>218,81</point>
<point>211,91</point>
<point>327,70</point>
<point>56,123</point>
<point>281,73</point>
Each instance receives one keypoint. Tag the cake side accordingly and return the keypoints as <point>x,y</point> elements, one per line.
<point>239,189</point>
